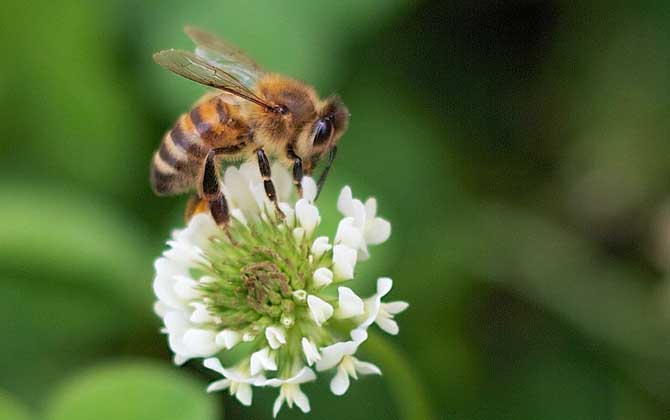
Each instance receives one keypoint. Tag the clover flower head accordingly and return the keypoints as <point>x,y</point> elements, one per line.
<point>273,290</point>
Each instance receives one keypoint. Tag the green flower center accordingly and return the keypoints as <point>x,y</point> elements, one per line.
<point>252,279</point>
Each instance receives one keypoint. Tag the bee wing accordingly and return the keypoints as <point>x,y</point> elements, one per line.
<point>223,54</point>
<point>193,67</point>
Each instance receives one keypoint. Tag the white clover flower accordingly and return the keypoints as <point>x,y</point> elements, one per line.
<point>361,227</point>
<point>290,390</point>
<point>341,355</point>
<point>272,289</point>
<point>382,313</point>
<point>238,380</point>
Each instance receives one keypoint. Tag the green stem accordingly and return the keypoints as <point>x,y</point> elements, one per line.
<point>408,393</point>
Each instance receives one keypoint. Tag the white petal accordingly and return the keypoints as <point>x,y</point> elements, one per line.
<point>289,214</point>
<point>186,288</point>
<point>307,215</point>
<point>176,322</point>
<point>305,375</point>
<point>311,352</point>
<point>240,193</point>
<point>384,285</point>
<point>262,201</point>
<point>344,261</point>
<point>262,360</point>
<point>160,308</point>
<point>366,368</point>
<point>395,307</point>
<point>201,342</point>
<point>237,214</point>
<point>363,253</point>
<point>340,382</point>
<point>377,231</point>
<point>200,314</point>
<point>359,213</point>
<point>332,355</point>
<point>359,335</point>
<point>228,338</point>
<point>374,311</point>
<point>299,295</point>
<point>214,364</point>
<point>219,385</point>
<point>322,277</point>
<point>282,180</point>
<point>301,400</point>
<point>388,325</point>
<point>251,172</point>
<point>320,310</point>
<point>179,359</point>
<point>277,404</point>
<point>298,234</point>
<point>345,202</point>
<point>370,208</point>
<point>244,394</point>
<point>349,303</point>
<point>320,246</point>
<point>164,282</point>
<point>348,234</point>
<point>200,229</point>
<point>275,337</point>
<point>308,188</point>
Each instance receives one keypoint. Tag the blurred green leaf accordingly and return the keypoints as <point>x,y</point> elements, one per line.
<point>562,272</point>
<point>137,390</point>
<point>47,231</point>
<point>11,409</point>
<point>75,280</point>
<point>71,111</point>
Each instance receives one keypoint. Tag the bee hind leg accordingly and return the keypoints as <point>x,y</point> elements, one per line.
<point>266,174</point>
<point>212,194</point>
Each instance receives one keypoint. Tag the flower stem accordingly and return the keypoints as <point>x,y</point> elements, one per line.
<point>407,391</point>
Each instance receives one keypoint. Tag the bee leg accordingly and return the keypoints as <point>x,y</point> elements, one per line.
<point>211,191</point>
<point>297,169</point>
<point>297,175</point>
<point>264,165</point>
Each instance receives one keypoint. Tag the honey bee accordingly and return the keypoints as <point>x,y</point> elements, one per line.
<point>251,114</point>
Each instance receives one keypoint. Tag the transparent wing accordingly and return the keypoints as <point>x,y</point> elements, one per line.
<point>193,67</point>
<point>221,53</point>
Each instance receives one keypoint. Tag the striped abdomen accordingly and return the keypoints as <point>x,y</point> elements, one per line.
<point>176,164</point>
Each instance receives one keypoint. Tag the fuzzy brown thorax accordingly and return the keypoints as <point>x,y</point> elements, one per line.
<point>296,124</point>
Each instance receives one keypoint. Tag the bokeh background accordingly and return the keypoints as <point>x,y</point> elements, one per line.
<point>520,150</point>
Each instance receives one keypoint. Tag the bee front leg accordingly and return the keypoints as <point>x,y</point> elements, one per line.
<point>211,191</point>
<point>297,169</point>
<point>297,175</point>
<point>264,165</point>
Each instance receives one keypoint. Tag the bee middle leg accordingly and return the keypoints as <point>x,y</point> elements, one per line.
<point>266,174</point>
<point>297,170</point>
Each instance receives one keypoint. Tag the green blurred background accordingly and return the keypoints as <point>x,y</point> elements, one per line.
<point>520,150</point>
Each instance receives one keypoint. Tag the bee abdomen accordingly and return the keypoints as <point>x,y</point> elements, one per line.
<point>175,165</point>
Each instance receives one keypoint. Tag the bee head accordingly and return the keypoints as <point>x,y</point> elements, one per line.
<point>323,132</point>
<point>298,117</point>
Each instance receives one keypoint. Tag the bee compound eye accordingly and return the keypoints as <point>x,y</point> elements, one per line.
<point>324,129</point>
